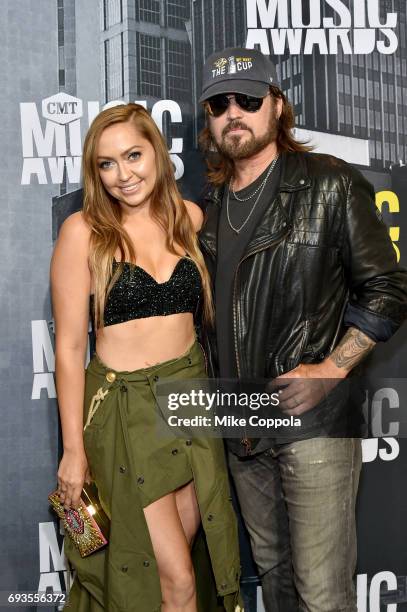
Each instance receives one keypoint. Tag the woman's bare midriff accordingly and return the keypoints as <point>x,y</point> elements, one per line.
<point>145,342</point>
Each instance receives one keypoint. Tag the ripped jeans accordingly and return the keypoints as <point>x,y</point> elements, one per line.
<point>298,504</point>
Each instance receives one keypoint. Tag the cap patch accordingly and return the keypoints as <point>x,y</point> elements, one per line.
<point>231,65</point>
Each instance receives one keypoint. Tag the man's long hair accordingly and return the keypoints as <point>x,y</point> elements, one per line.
<point>220,168</point>
<point>103,214</point>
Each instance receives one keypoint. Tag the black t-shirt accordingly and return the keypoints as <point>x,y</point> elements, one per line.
<point>231,247</point>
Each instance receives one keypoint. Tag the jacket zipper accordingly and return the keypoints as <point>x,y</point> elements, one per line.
<point>245,441</point>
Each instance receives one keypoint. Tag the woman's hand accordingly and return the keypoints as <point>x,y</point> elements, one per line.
<point>72,473</point>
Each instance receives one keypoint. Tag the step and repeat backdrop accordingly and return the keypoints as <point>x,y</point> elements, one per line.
<point>342,64</point>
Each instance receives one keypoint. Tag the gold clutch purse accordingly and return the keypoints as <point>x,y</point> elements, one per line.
<point>87,525</point>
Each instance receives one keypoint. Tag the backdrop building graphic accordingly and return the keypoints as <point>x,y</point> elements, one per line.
<point>361,96</point>
<point>155,49</point>
<point>146,52</point>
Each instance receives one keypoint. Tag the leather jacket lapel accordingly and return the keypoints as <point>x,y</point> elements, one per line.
<point>276,221</point>
<point>294,173</point>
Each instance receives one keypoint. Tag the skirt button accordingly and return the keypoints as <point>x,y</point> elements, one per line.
<point>110,377</point>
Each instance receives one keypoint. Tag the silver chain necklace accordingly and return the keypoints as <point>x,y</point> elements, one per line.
<point>252,194</point>
<point>261,188</point>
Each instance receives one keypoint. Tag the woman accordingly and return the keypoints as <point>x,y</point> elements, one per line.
<point>133,250</point>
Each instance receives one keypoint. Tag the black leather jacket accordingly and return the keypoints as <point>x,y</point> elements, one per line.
<point>320,260</point>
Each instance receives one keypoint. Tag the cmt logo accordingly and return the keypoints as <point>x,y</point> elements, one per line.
<point>59,144</point>
<point>62,108</point>
<point>54,151</point>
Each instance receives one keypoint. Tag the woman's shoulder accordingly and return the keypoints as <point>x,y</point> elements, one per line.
<point>195,213</point>
<point>76,225</point>
<point>73,236</point>
<point>75,229</point>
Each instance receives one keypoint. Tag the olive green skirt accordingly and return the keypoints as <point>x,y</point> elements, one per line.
<point>133,466</point>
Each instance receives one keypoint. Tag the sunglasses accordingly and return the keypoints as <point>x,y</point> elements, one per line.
<point>217,105</point>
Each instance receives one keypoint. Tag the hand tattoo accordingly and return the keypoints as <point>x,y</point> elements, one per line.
<point>353,347</point>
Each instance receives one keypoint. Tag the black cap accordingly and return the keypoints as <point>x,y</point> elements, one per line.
<point>238,70</point>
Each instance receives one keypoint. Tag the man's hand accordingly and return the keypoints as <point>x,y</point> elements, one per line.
<point>304,387</point>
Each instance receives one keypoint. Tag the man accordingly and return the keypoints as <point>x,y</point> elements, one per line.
<point>306,282</point>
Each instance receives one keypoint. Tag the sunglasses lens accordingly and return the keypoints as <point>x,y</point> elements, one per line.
<point>218,104</point>
<point>248,103</point>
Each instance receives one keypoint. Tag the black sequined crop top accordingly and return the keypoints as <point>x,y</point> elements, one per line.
<point>136,294</point>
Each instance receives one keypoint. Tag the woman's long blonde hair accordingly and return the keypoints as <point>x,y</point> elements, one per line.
<point>102,212</point>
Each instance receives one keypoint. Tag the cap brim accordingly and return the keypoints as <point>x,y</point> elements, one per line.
<point>258,89</point>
